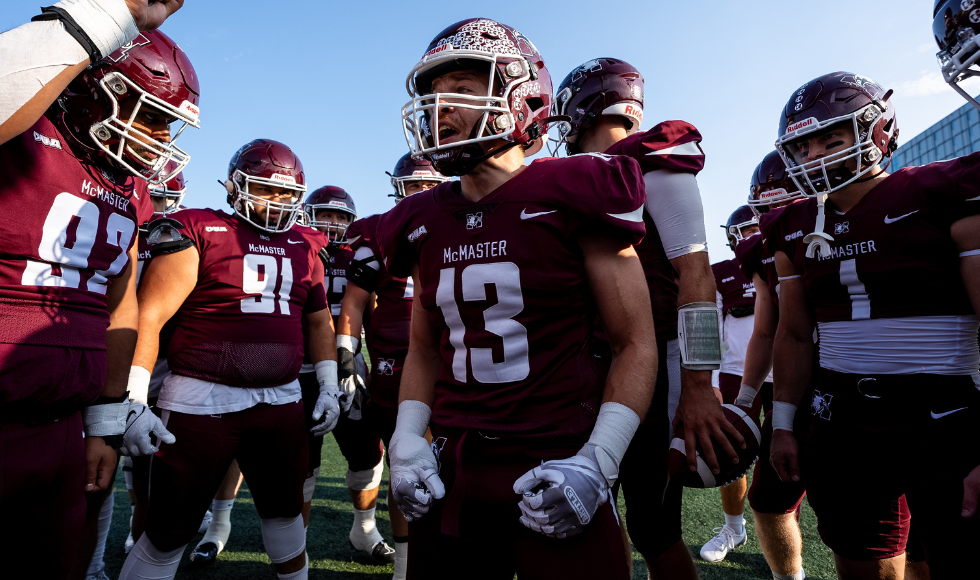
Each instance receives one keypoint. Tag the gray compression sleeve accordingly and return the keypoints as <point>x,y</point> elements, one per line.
<point>37,52</point>
<point>674,203</point>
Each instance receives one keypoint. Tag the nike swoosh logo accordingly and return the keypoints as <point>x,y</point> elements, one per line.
<point>527,216</point>
<point>977,198</point>
<point>936,415</point>
<point>634,216</point>
<point>295,241</point>
<point>354,239</point>
<point>889,220</point>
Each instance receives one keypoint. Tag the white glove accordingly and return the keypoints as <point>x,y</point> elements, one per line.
<point>560,497</point>
<point>327,405</point>
<point>414,469</point>
<point>141,422</point>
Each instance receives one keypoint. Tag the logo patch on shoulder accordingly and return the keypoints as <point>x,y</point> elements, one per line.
<point>418,233</point>
<point>47,141</point>
<point>215,229</point>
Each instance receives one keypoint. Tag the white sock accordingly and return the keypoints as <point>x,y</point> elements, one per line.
<point>146,562</point>
<point>364,533</point>
<point>299,574</point>
<point>800,575</point>
<point>736,523</point>
<point>401,561</point>
<point>105,522</point>
<point>220,527</point>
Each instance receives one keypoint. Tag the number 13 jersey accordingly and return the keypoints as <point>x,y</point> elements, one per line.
<point>504,283</point>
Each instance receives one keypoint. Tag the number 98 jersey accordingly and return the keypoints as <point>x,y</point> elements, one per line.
<point>503,281</point>
<point>68,229</point>
<point>241,326</point>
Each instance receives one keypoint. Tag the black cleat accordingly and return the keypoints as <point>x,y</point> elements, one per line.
<point>381,553</point>
<point>204,555</point>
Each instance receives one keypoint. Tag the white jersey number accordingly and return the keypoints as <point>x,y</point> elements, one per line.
<point>259,277</point>
<point>498,319</point>
<point>339,286</point>
<point>67,210</point>
<point>860,301</point>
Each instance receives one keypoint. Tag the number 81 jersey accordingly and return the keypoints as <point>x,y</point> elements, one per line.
<point>241,326</point>
<point>68,229</point>
<point>504,283</point>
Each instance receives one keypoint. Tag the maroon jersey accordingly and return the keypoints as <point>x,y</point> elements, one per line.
<point>735,289</point>
<point>337,278</point>
<point>390,323</point>
<point>892,254</point>
<point>503,281</point>
<point>674,146</point>
<point>753,257</point>
<point>69,230</point>
<point>242,324</point>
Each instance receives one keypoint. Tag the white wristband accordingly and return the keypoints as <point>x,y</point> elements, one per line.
<point>105,420</point>
<point>109,23</point>
<point>413,417</point>
<point>970,253</point>
<point>783,415</point>
<point>746,396</point>
<point>326,372</point>
<point>611,436</point>
<point>139,384</point>
<point>348,342</point>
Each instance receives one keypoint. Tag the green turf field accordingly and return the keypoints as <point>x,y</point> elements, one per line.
<point>332,558</point>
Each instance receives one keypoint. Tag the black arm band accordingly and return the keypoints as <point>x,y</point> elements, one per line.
<point>324,255</point>
<point>161,248</point>
<point>76,32</point>
<point>363,275</point>
<point>741,311</point>
<point>114,441</point>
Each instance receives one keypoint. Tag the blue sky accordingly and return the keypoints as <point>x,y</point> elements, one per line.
<point>328,78</point>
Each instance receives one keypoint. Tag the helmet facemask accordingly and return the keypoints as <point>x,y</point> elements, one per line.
<point>247,204</point>
<point>172,198</point>
<point>338,229</point>
<point>154,160</point>
<point>399,184</point>
<point>961,61</point>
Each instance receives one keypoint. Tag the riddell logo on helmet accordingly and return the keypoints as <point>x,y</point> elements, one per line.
<point>632,111</point>
<point>338,204</point>
<point>801,124</point>
<point>437,49</point>
<point>283,178</point>
<point>190,108</point>
<point>772,193</point>
<point>422,173</point>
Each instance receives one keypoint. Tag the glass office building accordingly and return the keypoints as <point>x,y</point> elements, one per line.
<point>955,136</point>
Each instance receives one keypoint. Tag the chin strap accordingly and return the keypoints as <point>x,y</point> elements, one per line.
<point>819,239</point>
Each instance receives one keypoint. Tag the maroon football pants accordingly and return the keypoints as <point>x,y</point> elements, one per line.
<point>42,497</point>
<point>480,515</point>
<point>269,442</point>
<point>911,435</point>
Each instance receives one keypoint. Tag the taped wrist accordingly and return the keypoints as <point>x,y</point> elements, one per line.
<point>326,373</point>
<point>106,417</point>
<point>746,396</point>
<point>139,384</point>
<point>346,347</point>
<point>611,436</point>
<point>413,417</point>
<point>783,415</point>
<point>698,336</point>
<point>99,26</point>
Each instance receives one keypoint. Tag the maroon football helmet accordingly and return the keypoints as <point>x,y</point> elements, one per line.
<point>955,24</point>
<point>330,198</point>
<point>151,73</point>
<point>836,100</point>
<point>740,219</point>
<point>771,186</point>
<point>270,163</point>
<point>515,109</point>
<point>602,86</point>
<point>411,168</point>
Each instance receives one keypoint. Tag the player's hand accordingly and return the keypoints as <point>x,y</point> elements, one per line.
<point>100,464</point>
<point>560,497</point>
<point>700,413</point>
<point>141,422</point>
<point>784,454</point>
<point>328,407</point>
<point>415,481</point>
<point>150,14</point>
<point>971,493</point>
<point>719,396</point>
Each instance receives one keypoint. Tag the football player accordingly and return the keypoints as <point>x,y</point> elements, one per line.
<point>243,286</point>
<point>955,24</point>
<point>331,210</point>
<point>887,269</point>
<point>383,304</point>
<point>736,302</point>
<point>66,279</point>
<point>510,266</point>
<point>603,103</point>
<point>775,504</point>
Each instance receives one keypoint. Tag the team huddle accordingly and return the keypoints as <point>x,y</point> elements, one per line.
<point>541,336</point>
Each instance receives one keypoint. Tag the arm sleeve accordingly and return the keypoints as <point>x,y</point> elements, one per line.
<point>37,52</point>
<point>674,203</point>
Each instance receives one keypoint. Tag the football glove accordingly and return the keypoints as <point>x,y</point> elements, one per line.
<point>141,422</point>
<point>413,466</point>
<point>327,404</point>
<point>347,376</point>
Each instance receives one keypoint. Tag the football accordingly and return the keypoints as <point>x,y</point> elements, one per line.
<point>703,478</point>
